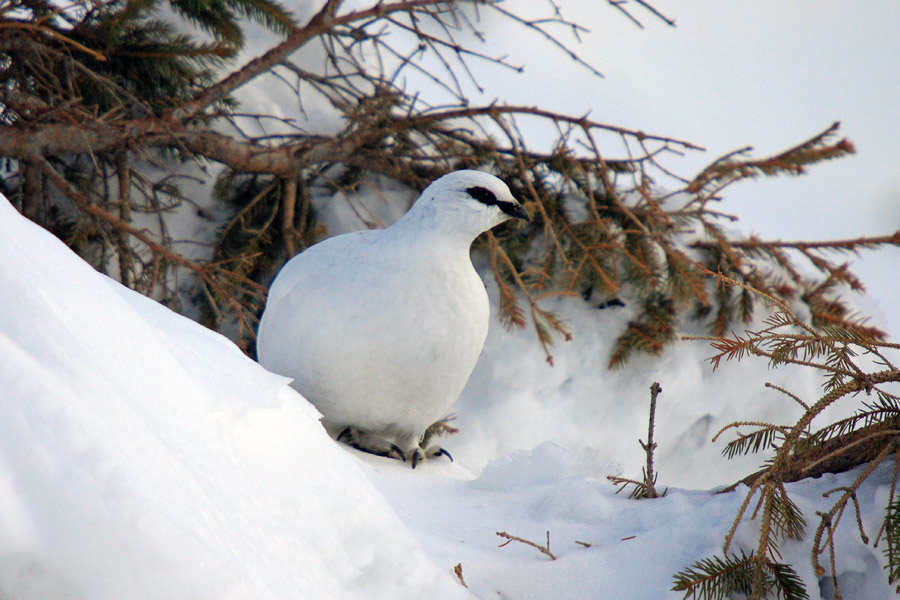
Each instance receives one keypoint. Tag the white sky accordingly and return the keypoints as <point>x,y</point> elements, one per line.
<point>767,74</point>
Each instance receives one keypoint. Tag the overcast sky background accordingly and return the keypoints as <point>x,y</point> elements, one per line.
<point>731,74</point>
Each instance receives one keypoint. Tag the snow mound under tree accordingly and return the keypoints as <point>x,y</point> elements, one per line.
<point>144,456</point>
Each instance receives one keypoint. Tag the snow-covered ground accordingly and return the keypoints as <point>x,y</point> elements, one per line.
<point>143,456</point>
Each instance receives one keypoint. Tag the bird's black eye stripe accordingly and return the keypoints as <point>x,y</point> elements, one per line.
<point>483,195</point>
<point>486,196</point>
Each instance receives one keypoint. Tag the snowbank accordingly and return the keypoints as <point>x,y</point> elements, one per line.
<point>143,456</point>
<point>606,545</point>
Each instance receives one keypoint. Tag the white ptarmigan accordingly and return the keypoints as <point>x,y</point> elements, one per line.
<point>381,329</point>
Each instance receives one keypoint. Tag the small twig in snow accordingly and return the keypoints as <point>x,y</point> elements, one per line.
<point>512,538</point>
<point>458,571</point>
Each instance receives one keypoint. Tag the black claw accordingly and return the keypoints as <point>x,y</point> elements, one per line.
<point>415,460</point>
<point>441,451</point>
<point>396,449</point>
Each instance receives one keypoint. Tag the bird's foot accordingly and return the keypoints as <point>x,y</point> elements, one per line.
<point>435,451</point>
<point>420,454</point>
<point>373,444</point>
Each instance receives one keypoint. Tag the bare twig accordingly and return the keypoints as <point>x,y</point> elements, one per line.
<point>457,570</point>
<point>647,487</point>
<point>650,446</point>
<point>512,538</point>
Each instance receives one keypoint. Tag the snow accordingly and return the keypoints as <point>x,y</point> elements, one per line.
<point>143,456</point>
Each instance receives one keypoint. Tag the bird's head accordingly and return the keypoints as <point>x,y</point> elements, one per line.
<point>468,202</point>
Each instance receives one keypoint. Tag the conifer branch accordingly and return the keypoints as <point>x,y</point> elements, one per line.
<point>801,451</point>
<point>892,539</point>
<point>854,244</point>
<point>790,395</point>
<point>628,242</point>
<point>793,161</point>
<point>204,272</point>
<point>496,111</point>
<point>87,205</point>
<point>722,577</point>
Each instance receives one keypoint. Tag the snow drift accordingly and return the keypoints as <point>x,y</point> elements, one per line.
<point>143,456</point>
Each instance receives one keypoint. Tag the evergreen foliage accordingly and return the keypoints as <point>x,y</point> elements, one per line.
<point>892,540</point>
<point>80,71</point>
<point>247,243</point>
<point>719,578</point>
<point>756,441</point>
<point>851,359</point>
<point>118,55</point>
<point>603,229</point>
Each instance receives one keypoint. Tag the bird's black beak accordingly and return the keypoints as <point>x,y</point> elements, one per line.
<point>516,210</point>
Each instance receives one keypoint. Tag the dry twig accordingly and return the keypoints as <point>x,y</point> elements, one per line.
<point>512,538</point>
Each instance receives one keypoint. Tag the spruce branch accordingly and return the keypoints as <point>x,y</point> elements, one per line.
<point>800,450</point>
<point>629,241</point>
<point>720,577</point>
<point>793,161</point>
<point>715,578</point>
<point>757,441</point>
<point>892,540</point>
<point>650,332</point>
<point>845,245</point>
<point>204,272</point>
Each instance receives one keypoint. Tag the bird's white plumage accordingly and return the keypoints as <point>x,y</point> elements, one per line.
<point>381,329</point>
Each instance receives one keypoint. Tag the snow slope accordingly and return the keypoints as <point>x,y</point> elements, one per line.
<point>143,456</point>
<point>634,546</point>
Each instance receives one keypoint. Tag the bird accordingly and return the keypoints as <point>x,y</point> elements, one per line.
<point>380,329</point>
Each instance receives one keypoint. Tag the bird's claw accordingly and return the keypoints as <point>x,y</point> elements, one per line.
<point>418,455</point>
<point>396,452</point>
<point>381,447</point>
<point>438,451</point>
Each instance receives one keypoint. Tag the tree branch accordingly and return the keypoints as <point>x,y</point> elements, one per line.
<point>84,203</point>
<point>851,244</point>
<point>325,20</point>
<point>495,111</point>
